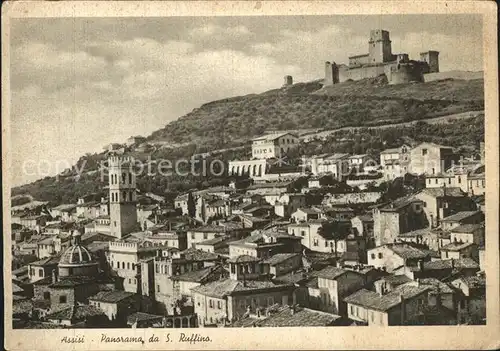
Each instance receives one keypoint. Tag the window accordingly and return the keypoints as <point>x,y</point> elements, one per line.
<point>352,309</point>
<point>449,180</point>
<point>205,236</point>
<point>373,256</point>
<point>130,178</point>
<point>211,303</point>
<point>40,272</point>
<point>133,267</point>
<point>233,269</point>
<point>124,176</point>
<point>303,232</point>
<point>459,179</point>
<point>380,255</point>
<point>424,152</point>
<point>192,236</point>
<point>130,280</point>
<point>157,268</point>
<point>115,223</point>
<point>123,265</point>
<point>373,316</point>
<point>157,288</point>
<point>315,243</point>
<point>436,179</point>
<point>62,299</point>
<point>326,243</point>
<point>46,295</point>
<point>219,305</point>
<point>128,265</point>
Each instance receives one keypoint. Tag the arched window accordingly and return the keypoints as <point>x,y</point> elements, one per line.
<point>130,178</point>
<point>124,196</point>
<point>124,177</point>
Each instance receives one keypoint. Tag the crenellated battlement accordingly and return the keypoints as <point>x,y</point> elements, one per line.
<point>118,161</point>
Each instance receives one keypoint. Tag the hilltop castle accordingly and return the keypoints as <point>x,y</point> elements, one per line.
<point>380,60</point>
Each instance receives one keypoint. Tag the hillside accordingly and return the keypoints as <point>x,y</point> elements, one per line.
<point>222,125</point>
<point>361,103</point>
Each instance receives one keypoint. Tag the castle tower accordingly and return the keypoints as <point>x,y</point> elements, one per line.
<point>122,196</point>
<point>379,46</point>
<point>288,81</point>
<point>432,58</point>
<point>331,74</point>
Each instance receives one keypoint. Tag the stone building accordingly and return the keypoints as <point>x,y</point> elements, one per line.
<point>273,145</point>
<point>400,216</point>
<point>234,298</point>
<point>401,306</point>
<point>380,60</point>
<point>430,158</point>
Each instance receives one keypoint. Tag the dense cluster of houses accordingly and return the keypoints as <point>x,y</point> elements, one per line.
<point>261,253</point>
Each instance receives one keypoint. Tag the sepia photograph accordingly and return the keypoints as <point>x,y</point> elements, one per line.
<point>180,174</point>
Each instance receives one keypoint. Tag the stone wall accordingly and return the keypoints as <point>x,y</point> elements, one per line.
<point>361,73</point>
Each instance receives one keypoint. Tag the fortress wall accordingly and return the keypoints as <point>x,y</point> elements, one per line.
<point>361,73</point>
<point>465,75</point>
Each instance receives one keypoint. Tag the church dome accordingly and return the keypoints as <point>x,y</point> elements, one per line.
<point>77,254</point>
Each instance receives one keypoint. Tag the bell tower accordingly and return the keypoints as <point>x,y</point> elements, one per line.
<point>122,196</point>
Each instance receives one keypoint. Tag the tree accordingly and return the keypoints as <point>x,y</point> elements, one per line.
<point>191,205</point>
<point>332,230</point>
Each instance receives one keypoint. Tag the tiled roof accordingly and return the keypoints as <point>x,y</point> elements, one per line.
<point>366,217</point>
<point>331,272</point>
<point>72,281</point>
<point>213,241</point>
<point>447,264</point>
<point>48,261</point>
<point>287,316</point>
<point>436,285</point>
<point>141,316</point>
<point>111,296</point>
<point>192,254</point>
<point>278,258</point>
<point>374,301</point>
<point>22,306</point>
<point>310,210</point>
<point>396,279</point>
<point>198,276</point>
<point>456,246</point>
<point>467,228</point>
<point>459,216</point>
<point>441,192</point>
<point>222,288</point>
<point>474,282</point>
<point>244,259</point>
<point>271,137</point>
<point>209,228</point>
<point>407,251</point>
<point>415,233</point>
<point>78,312</point>
<point>399,203</point>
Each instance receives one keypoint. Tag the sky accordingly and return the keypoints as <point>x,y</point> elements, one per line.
<point>78,84</point>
